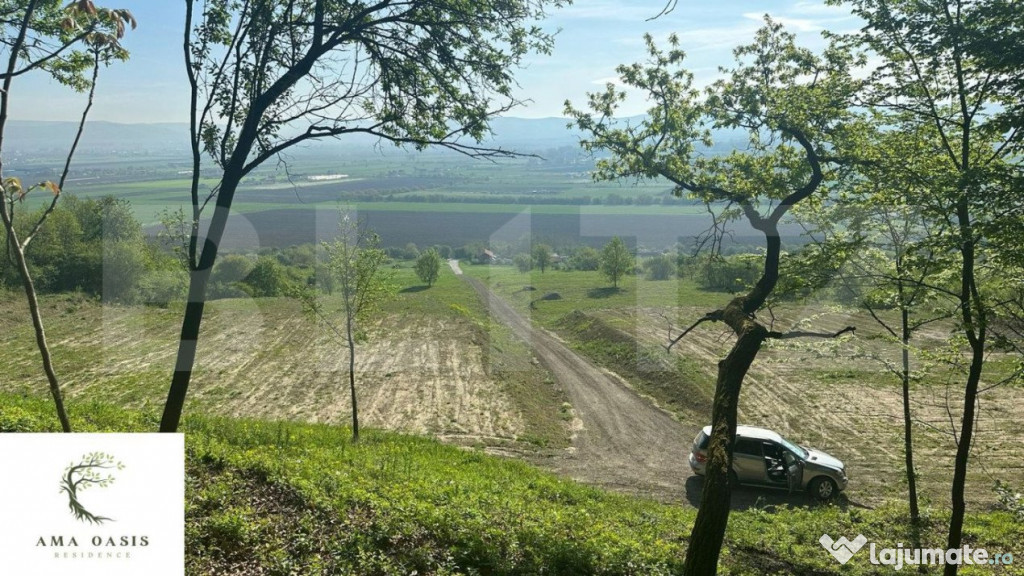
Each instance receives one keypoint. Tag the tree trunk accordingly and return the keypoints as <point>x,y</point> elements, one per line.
<point>963,452</point>
<point>908,444</point>
<point>709,528</point>
<point>187,344</point>
<point>199,278</point>
<point>37,324</point>
<point>974,317</point>
<point>352,381</point>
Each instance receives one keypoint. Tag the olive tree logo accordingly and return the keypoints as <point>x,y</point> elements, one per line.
<point>89,472</point>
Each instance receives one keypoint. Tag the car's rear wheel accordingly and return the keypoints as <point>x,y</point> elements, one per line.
<point>823,488</point>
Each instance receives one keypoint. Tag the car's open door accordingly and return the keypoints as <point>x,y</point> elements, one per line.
<point>794,471</point>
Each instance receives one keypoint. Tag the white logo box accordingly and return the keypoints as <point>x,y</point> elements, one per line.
<point>92,504</point>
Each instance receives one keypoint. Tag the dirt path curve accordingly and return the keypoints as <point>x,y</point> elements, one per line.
<point>626,443</point>
<point>454,264</point>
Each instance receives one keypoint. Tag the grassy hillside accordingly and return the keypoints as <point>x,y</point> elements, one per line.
<point>283,498</point>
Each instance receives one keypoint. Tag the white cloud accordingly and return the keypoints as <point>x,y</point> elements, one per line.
<point>791,23</point>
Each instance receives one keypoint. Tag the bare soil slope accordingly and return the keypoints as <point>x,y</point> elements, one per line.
<point>417,373</point>
<point>838,397</point>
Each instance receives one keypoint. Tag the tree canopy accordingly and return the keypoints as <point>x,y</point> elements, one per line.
<point>616,260</point>
<point>428,266</point>
<point>794,107</point>
<point>267,75</point>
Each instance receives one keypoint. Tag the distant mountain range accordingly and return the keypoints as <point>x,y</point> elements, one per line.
<point>29,136</point>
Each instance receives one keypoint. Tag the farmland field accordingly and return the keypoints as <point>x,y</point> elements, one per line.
<point>442,372</point>
<point>432,199</point>
<point>459,224</point>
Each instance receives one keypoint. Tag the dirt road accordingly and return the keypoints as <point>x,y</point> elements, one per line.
<point>626,443</point>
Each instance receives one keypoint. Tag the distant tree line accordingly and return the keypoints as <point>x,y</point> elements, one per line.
<point>97,247</point>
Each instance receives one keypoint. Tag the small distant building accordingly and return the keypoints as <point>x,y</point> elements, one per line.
<point>487,257</point>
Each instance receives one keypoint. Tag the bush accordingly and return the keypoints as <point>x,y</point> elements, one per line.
<point>268,278</point>
<point>160,288</point>
<point>124,265</point>
<point>585,259</point>
<point>660,267</point>
<point>728,274</point>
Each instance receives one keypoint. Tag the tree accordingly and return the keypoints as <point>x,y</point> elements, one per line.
<point>357,265</point>
<point>428,266</point>
<point>523,262</point>
<point>69,44</point>
<point>541,256</point>
<point>88,473</point>
<point>616,260</point>
<point>940,82</point>
<point>265,76</point>
<point>411,251</point>
<point>879,249</point>
<point>228,273</point>
<point>794,107</point>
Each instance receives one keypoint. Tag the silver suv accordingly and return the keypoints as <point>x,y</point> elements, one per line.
<point>765,458</point>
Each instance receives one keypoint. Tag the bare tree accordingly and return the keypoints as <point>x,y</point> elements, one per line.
<point>266,75</point>
<point>69,44</point>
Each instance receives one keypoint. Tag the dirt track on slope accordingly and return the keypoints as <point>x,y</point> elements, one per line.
<point>624,442</point>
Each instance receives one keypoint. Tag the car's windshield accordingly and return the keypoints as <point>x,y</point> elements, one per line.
<point>800,452</point>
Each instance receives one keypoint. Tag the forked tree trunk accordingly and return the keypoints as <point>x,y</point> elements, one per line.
<point>13,242</point>
<point>713,515</point>
<point>708,532</point>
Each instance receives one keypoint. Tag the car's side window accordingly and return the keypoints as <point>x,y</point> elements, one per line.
<point>748,447</point>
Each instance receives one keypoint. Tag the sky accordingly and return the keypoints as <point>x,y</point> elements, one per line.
<point>594,36</point>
